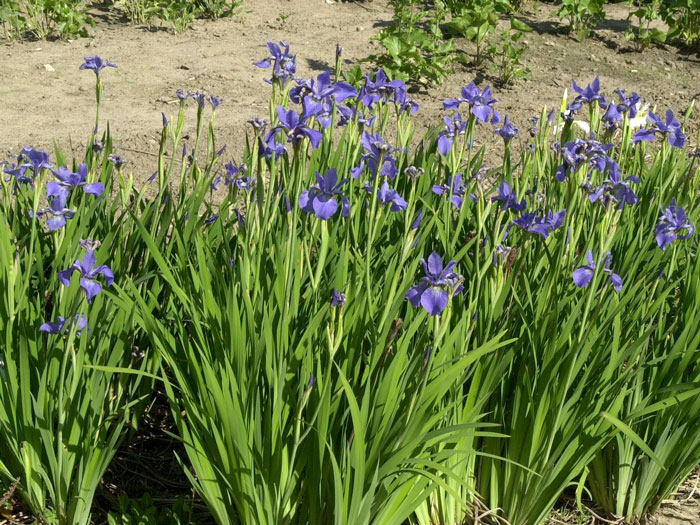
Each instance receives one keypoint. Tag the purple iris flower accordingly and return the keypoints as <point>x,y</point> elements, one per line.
<point>628,104</point>
<point>590,93</point>
<point>541,225</point>
<point>480,103</point>
<point>235,175</point>
<point>117,160</point>
<point>88,275</point>
<point>181,95</point>
<point>37,159</point>
<point>269,148</point>
<point>578,152</point>
<point>295,124</point>
<point>453,127</point>
<point>240,218</point>
<point>349,114</point>
<point>258,124</point>
<point>583,275</point>
<point>672,222</point>
<point>58,212</point>
<point>200,98</point>
<point>337,300</point>
<point>378,150</point>
<point>507,131</point>
<point>615,189</point>
<point>569,113</point>
<point>69,180</point>
<point>284,65</point>
<point>433,292</point>
<point>245,183</point>
<point>215,101</point>
<point>387,195</point>
<point>509,198</point>
<point>404,102</point>
<point>96,63</point>
<point>381,89</point>
<point>671,128</point>
<point>63,326</point>
<point>501,254</point>
<point>321,89</point>
<point>321,197</point>
<point>612,117</point>
<point>18,172</point>
<point>454,184</point>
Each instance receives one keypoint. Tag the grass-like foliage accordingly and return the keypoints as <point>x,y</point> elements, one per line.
<point>360,327</point>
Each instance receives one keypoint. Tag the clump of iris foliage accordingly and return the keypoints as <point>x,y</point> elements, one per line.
<point>356,326</point>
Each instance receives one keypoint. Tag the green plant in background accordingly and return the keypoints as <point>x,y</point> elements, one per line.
<point>140,11</point>
<point>412,53</point>
<point>179,13</point>
<point>506,53</point>
<point>40,19</point>
<point>644,36</point>
<point>217,8</point>
<point>583,16</point>
<point>476,20</point>
<point>144,512</point>
<point>683,20</point>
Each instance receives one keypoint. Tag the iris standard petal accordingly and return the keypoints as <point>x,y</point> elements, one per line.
<point>434,266</point>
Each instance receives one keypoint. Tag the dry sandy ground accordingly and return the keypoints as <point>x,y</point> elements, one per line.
<point>44,97</point>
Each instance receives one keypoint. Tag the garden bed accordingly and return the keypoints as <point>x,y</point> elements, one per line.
<point>530,345</point>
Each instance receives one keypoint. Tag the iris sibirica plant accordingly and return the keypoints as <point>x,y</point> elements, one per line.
<point>318,370</point>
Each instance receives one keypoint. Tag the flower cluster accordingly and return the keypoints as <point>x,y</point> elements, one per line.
<point>284,65</point>
<point>614,189</point>
<point>541,225</point>
<point>580,152</point>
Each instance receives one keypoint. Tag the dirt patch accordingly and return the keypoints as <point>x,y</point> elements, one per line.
<point>41,103</point>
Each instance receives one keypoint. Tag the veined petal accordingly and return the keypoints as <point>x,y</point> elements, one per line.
<point>56,222</point>
<point>583,276</point>
<point>91,287</point>
<point>415,293</point>
<point>65,275</point>
<point>325,206</point>
<point>107,272</point>
<point>96,188</point>
<point>434,300</point>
